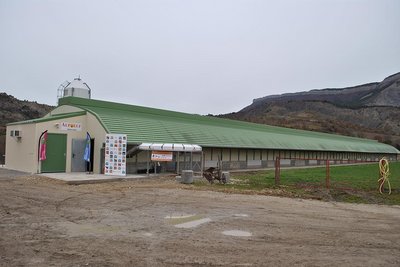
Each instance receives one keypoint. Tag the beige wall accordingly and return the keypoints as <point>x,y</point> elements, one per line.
<point>64,109</point>
<point>143,156</point>
<point>242,154</point>
<point>21,153</point>
<point>207,153</point>
<point>226,155</point>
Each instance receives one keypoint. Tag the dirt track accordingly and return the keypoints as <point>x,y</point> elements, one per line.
<point>48,223</point>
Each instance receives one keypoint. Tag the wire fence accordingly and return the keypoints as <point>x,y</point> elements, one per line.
<point>343,174</point>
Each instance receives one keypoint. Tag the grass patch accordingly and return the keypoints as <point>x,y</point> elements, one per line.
<point>353,184</point>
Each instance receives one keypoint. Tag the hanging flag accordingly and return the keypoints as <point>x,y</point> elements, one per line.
<point>86,155</point>
<point>42,149</point>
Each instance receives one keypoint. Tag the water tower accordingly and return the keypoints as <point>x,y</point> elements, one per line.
<point>76,88</point>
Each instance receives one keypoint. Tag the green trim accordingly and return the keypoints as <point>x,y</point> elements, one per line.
<point>98,118</point>
<point>50,118</point>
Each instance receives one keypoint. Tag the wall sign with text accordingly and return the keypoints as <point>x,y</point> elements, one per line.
<point>161,156</point>
<point>70,126</point>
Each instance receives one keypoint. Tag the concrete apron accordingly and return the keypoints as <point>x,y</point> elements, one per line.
<point>75,178</point>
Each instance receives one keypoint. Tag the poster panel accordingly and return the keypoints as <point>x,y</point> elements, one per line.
<point>115,154</point>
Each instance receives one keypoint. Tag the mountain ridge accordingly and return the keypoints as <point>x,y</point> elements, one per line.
<point>384,93</point>
<point>369,110</point>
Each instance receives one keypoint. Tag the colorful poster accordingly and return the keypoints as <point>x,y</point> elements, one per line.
<point>115,154</point>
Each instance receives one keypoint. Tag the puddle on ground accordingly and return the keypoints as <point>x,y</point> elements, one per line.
<point>180,216</point>
<point>148,234</point>
<point>187,221</point>
<point>237,233</point>
<point>75,229</point>
<point>193,224</point>
<point>240,215</point>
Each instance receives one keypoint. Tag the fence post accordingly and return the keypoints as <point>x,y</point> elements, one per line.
<point>327,178</point>
<point>277,171</point>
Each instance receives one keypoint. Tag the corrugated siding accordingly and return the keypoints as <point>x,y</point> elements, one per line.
<point>160,126</point>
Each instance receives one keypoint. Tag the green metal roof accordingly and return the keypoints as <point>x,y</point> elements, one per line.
<point>151,125</point>
<point>51,118</point>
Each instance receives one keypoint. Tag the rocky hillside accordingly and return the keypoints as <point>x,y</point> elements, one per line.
<point>385,93</point>
<point>370,110</point>
<point>12,110</point>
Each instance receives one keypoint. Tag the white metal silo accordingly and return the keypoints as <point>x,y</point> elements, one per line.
<point>76,88</point>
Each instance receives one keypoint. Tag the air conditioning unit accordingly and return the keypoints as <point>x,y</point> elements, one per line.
<point>16,133</point>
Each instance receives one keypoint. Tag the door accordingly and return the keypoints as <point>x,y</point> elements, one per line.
<point>78,164</point>
<point>56,153</point>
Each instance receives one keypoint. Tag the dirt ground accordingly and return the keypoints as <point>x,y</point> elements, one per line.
<point>44,222</point>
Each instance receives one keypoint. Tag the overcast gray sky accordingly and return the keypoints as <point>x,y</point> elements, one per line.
<point>195,56</point>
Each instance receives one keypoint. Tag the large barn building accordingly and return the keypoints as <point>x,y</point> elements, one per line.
<point>234,144</point>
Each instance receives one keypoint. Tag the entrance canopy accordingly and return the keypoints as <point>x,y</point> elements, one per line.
<point>170,147</point>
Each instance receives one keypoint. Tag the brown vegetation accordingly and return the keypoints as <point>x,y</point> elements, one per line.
<point>12,110</point>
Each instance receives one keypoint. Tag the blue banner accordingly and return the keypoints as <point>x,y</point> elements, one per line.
<point>86,156</point>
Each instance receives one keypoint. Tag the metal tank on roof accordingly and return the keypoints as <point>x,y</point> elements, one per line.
<point>76,88</point>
